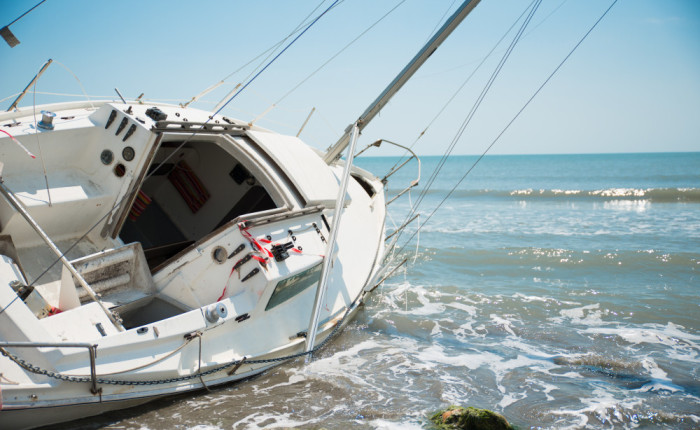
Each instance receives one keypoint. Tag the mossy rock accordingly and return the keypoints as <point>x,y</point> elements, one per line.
<point>460,418</point>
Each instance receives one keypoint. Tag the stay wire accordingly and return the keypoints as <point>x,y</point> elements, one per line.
<point>22,16</point>
<point>471,113</point>
<point>338,53</point>
<point>275,58</point>
<point>272,49</point>
<point>449,194</point>
<point>458,90</point>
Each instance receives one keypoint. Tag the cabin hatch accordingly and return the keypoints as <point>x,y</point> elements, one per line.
<point>190,191</point>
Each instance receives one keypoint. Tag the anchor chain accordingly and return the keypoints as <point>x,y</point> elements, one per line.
<point>86,379</point>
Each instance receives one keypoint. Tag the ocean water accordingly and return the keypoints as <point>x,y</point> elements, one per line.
<point>562,291</point>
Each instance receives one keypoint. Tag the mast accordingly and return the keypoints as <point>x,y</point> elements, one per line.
<point>334,151</point>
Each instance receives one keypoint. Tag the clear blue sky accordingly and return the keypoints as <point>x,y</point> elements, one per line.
<point>633,86</point>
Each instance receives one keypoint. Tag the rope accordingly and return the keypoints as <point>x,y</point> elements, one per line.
<point>338,53</point>
<point>275,58</point>
<point>36,133</point>
<point>79,83</point>
<point>273,48</point>
<point>455,93</point>
<point>22,16</point>
<point>470,115</point>
<point>509,124</point>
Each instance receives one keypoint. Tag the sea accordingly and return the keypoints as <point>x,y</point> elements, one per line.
<point>562,291</point>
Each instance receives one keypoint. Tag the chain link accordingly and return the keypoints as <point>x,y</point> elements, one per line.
<point>86,379</point>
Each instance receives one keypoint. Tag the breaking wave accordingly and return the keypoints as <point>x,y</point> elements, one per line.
<point>672,195</point>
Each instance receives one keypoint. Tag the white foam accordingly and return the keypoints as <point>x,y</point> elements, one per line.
<point>602,404</point>
<point>382,424</point>
<point>471,310</point>
<point>501,322</point>
<point>281,420</point>
<point>584,315</point>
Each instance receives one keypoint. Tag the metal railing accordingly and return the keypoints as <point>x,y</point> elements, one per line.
<point>92,349</point>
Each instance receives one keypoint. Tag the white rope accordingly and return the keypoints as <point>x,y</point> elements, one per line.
<point>36,133</point>
<point>79,83</point>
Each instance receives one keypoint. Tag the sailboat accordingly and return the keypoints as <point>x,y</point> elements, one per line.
<point>158,249</point>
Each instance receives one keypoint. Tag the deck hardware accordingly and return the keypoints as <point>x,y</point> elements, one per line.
<point>106,157</point>
<point>110,120</point>
<point>242,261</point>
<point>12,124</point>
<point>192,335</point>
<point>299,248</point>
<point>142,330</point>
<point>325,221</point>
<point>216,312</point>
<point>294,238</point>
<point>177,114</point>
<point>280,251</point>
<point>141,120</point>
<point>101,329</point>
<point>68,117</point>
<point>240,248</point>
<point>298,335</point>
<point>129,111</point>
<point>243,317</point>
<point>268,237</point>
<point>236,366</point>
<point>156,331</point>
<point>156,114</point>
<point>46,120</point>
<point>318,230</point>
<point>129,132</point>
<point>219,255</point>
<point>121,126</point>
<point>128,153</point>
<point>250,275</point>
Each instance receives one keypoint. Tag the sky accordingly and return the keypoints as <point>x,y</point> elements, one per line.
<point>632,86</point>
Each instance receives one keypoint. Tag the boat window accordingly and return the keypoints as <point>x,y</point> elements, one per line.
<point>192,190</point>
<point>290,287</point>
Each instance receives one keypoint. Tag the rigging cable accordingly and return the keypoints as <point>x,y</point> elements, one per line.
<point>338,53</point>
<point>272,48</point>
<point>473,110</point>
<point>455,93</point>
<point>509,124</point>
<point>130,194</point>
<point>36,133</point>
<point>275,58</point>
<point>22,16</point>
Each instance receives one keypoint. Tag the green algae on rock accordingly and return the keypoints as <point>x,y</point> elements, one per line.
<point>460,418</point>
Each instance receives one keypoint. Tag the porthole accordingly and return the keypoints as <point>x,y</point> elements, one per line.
<point>128,153</point>
<point>219,255</point>
<point>119,170</point>
<point>106,157</point>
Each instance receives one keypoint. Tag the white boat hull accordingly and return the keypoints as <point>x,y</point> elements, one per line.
<point>211,266</point>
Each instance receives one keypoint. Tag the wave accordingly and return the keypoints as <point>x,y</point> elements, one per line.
<point>687,195</point>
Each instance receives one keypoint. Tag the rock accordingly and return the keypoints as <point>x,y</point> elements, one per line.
<point>460,418</point>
